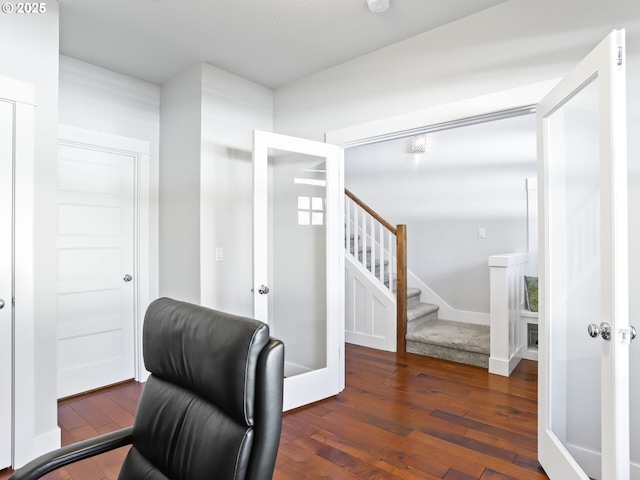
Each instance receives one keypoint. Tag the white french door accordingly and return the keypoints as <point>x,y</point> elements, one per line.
<point>583,429</point>
<point>6,279</point>
<point>298,260</point>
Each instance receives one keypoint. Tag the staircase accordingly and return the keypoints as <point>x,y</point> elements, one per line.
<point>427,335</point>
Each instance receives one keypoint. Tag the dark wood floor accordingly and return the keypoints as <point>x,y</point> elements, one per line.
<point>401,416</point>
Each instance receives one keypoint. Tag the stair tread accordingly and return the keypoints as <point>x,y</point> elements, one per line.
<point>420,309</point>
<point>460,336</point>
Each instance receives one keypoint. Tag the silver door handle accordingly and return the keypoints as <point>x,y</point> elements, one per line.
<point>1,303</point>
<point>127,278</point>
<point>263,290</point>
<point>604,330</point>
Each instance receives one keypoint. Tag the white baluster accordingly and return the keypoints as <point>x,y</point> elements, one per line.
<point>363,260</point>
<point>392,256</point>
<point>382,266</point>
<point>347,206</point>
<point>373,246</point>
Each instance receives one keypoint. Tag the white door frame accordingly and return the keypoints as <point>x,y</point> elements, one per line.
<point>6,280</point>
<point>448,114</point>
<point>139,150</point>
<point>24,434</point>
<point>522,99</point>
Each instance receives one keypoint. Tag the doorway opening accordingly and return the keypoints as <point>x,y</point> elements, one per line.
<point>464,188</point>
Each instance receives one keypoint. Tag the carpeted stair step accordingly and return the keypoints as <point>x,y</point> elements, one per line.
<point>413,296</point>
<point>419,313</point>
<point>456,341</point>
<point>420,316</point>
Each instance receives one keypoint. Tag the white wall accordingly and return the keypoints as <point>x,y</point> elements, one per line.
<point>513,44</point>
<point>180,121</point>
<point>29,53</point>
<point>232,108</point>
<point>469,178</point>
<point>206,186</point>
<point>516,43</point>
<point>98,99</point>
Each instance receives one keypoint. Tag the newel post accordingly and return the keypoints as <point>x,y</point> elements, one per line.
<point>401,288</point>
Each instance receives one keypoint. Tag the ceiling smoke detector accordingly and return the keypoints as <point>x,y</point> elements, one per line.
<point>378,6</point>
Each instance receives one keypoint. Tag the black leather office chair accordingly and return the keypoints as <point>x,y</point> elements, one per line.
<point>211,409</point>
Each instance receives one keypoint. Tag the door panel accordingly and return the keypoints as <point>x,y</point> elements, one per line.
<point>6,275</point>
<point>297,256</point>
<point>95,252</point>
<point>584,385</point>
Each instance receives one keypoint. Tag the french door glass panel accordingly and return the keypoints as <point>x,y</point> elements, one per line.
<point>584,385</point>
<point>574,253</point>
<point>298,258</point>
<point>297,247</point>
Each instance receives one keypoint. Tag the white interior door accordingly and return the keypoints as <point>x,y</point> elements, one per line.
<point>96,262</point>
<point>6,279</point>
<point>299,260</point>
<point>583,405</point>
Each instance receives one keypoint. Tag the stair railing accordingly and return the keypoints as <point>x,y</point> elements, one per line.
<point>381,249</point>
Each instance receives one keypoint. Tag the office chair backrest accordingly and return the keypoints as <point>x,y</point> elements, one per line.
<point>212,407</point>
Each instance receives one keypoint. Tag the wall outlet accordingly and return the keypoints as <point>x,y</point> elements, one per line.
<point>481,233</point>
<point>219,254</point>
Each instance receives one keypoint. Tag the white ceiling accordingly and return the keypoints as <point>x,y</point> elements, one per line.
<point>271,42</point>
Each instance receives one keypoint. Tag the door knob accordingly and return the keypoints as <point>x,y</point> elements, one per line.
<point>1,303</point>
<point>263,290</point>
<point>127,278</point>
<point>604,330</point>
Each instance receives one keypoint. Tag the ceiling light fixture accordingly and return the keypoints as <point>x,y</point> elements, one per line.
<point>378,6</point>
<point>418,144</point>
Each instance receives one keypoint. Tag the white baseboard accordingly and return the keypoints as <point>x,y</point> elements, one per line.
<point>379,343</point>
<point>446,311</point>
<point>43,443</point>
<point>501,366</point>
<point>47,442</point>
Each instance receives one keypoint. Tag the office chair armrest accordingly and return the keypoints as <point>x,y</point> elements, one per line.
<point>72,453</point>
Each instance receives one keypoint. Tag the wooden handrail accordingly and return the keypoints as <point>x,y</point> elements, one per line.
<point>400,232</point>
<point>371,212</point>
